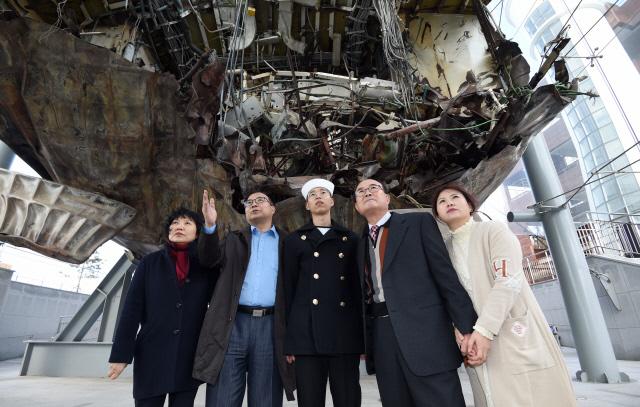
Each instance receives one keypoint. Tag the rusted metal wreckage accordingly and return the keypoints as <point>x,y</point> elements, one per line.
<point>147,102</point>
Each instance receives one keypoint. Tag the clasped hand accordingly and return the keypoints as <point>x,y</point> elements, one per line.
<point>474,347</point>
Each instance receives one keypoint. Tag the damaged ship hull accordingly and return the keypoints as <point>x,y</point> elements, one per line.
<point>457,107</point>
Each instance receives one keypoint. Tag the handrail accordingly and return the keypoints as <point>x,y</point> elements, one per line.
<point>617,236</point>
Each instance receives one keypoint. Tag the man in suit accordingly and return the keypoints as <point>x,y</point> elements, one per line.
<point>413,299</point>
<point>242,337</point>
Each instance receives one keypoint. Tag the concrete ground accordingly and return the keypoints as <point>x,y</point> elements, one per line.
<point>16,391</point>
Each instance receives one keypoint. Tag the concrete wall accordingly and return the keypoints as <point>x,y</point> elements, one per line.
<point>31,312</point>
<point>624,325</point>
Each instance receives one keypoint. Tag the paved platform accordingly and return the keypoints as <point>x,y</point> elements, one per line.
<point>16,391</point>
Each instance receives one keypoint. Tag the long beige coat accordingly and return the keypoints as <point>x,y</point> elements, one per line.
<point>524,367</point>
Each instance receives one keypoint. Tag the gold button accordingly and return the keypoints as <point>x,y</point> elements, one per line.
<point>341,277</point>
<point>316,254</point>
<point>341,255</point>
<point>344,238</point>
<point>315,301</point>
<point>316,276</point>
<point>342,303</point>
<point>303,237</point>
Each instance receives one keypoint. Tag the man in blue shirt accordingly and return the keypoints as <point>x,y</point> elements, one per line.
<point>242,337</point>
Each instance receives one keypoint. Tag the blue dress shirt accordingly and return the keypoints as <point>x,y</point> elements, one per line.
<point>259,286</point>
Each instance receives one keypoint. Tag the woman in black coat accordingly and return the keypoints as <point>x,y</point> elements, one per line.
<point>167,300</point>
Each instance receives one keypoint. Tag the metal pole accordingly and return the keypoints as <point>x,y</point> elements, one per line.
<point>523,217</point>
<point>6,159</point>
<point>593,344</point>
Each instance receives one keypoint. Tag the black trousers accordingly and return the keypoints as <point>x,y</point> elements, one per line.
<point>343,373</point>
<point>178,399</point>
<point>398,386</point>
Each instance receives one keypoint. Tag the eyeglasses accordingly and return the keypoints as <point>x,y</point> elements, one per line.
<point>318,194</point>
<point>258,201</point>
<point>360,192</point>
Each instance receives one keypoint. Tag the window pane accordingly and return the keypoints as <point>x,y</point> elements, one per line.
<point>614,148</point>
<point>610,188</point>
<point>573,118</point>
<point>583,111</point>
<point>600,156</point>
<point>616,205</point>
<point>584,146</point>
<point>589,125</point>
<point>633,202</point>
<point>598,196</point>
<point>602,208</point>
<point>586,84</point>
<point>601,117</point>
<point>588,164</point>
<point>596,104</point>
<point>620,162</point>
<point>531,28</point>
<point>607,167</point>
<point>574,65</point>
<point>595,140</point>
<point>579,132</point>
<point>628,184</point>
<point>608,133</point>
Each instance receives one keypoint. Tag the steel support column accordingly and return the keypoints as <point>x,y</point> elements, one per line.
<point>109,288</point>
<point>67,356</point>
<point>593,344</point>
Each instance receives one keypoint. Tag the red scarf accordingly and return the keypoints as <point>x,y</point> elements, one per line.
<point>179,252</point>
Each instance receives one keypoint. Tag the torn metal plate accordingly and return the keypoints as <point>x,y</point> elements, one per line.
<point>413,93</point>
<point>243,115</point>
<point>446,47</point>
<point>59,221</point>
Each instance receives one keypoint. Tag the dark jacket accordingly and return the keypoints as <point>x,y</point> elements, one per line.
<point>170,317</point>
<point>423,295</point>
<point>322,268</point>
<point>232,257</point>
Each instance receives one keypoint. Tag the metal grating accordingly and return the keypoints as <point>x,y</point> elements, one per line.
<point>59,221</point>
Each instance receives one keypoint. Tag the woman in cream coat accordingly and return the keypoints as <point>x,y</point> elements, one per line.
<point>513,359</point>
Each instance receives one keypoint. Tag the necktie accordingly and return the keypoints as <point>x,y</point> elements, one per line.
<point>373,233</point>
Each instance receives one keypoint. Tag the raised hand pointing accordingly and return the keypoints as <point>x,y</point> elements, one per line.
<point>209,209</point>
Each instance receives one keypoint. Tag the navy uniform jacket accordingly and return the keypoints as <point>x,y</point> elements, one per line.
<point>169,317</point>
<point>322,292</point>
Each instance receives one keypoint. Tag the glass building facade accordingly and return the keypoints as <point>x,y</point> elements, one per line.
<point>586,138</point>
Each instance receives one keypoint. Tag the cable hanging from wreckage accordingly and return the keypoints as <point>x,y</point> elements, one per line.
<point>368,112</point>
<point>306,91</point>
<point>320,123</point>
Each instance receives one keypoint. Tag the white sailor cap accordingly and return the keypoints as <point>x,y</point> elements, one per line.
<point>315,183</point>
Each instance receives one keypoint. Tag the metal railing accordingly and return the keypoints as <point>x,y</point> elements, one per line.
<point>610,234</point>
<point>539,267</point>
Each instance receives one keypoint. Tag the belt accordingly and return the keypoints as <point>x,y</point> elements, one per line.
<point>255,311</point>
<point>377,310</point>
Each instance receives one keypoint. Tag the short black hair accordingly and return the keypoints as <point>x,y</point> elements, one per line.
<point>257,190</point>
<point>183,212</point>
<point>382,184</point>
